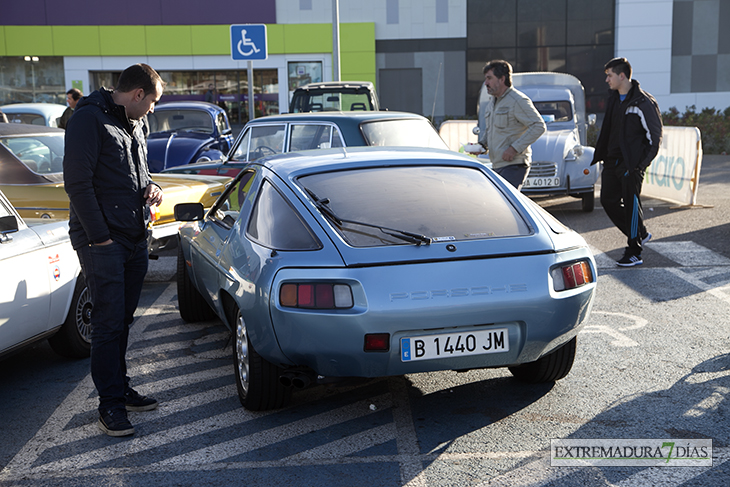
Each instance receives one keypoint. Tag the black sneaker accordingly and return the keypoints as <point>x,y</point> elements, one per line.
<point>114,422</point>
<point>646,238</point>
<point>134,401</point>
<point>629,260</point>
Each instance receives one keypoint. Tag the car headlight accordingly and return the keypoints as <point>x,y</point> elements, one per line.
<point>574,153</point>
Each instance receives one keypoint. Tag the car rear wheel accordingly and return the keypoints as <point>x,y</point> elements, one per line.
<point>74,338</point>
<point>553,366</point>
<point>588,201</point>
<point>191,303</point>
<point>257,379</point>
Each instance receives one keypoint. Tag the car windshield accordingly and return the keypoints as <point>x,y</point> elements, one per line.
<point>180,120</point>
<point>405,132</point>
<point>27,118</point>
<point>440,203</point>
<point>42,154</point>
<point>554,111</point>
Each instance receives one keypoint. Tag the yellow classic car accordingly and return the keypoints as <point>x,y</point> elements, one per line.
<point>31,176</point>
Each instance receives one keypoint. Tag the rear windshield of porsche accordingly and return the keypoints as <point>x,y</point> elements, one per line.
<point>382,206</point>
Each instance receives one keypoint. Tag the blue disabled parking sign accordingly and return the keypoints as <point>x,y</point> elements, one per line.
<point>248,42</point>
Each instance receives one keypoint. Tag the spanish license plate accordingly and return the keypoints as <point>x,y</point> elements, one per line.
<point>450,345</point>
<point>541,183</point>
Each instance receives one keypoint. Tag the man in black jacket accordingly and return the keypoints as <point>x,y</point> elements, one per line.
<point>110,191</point>
<point>628,142</point>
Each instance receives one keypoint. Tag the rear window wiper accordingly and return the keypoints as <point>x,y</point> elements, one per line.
<point>322,205</point>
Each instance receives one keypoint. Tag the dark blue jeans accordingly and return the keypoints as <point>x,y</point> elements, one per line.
<point>515,174</point>
<point>114,275</point>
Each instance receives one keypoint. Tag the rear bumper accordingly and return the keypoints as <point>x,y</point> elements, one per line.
<point>161,236</point>
<point>331,342</point>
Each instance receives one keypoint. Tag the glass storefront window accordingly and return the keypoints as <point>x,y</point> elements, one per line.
<point>302,73</point>
<point>28,79</point>
<point>227,89</point>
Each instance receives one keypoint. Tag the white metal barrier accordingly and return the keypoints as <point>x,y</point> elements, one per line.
<point>456,133</point>
<point>674,174</point>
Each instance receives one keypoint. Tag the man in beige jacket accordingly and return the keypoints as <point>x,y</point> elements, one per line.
<point>512,124</point>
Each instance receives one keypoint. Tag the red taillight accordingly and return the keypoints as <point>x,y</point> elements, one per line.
<point>571,276</point>
<point>325,296</point>
<point>377,342</point>
<point>305,296</point>
<point>316,296</point>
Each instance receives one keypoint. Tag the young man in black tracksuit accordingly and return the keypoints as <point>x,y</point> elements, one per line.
<point>628,142</point>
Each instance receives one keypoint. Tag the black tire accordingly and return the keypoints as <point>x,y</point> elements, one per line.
<point>588,201</point>
<point>553,366</point>
<point>192,305</point>
<point>257,379</point>
<point>73,339</point>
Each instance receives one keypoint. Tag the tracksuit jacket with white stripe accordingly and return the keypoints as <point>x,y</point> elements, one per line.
<point>640,132</point>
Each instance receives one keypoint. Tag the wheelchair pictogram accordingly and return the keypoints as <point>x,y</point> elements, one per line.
<point>246,42</point>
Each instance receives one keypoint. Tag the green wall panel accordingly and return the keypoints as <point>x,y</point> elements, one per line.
<point>76,40</point>
<point>275,38</point>
<point>122,40</point>
<point>28,40</point>
<point>357,42</point>
<point>210,40</point>
<point>169,40</point>
<point>307,38</point>
<point>357,37</point>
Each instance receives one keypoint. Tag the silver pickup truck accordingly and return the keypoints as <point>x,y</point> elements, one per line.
<point>560,158</point>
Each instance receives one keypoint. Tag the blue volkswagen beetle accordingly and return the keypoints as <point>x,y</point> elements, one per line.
<point>371,262</point>
<point>187,132</point>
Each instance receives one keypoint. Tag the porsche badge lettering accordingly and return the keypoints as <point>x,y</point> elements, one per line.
<point>459,292</point>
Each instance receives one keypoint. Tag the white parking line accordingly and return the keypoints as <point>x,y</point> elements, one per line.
<point>55,432</point>
<point>238,446</point>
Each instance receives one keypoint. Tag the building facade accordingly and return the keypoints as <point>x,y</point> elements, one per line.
<point>424,56</point>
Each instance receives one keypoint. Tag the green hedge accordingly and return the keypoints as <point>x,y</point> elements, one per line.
<point>714,126</point>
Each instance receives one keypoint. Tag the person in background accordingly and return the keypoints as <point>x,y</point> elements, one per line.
<point>72,98</point>
<point>210,94</point>
<point>512,124</point>
<point>110,191</point>
<point>629,140</point>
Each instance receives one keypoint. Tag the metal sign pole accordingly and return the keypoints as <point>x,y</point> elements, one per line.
<point>248,42</point>
<point>335,40</point>
<point>251,110</point>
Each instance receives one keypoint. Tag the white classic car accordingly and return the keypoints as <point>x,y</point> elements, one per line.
<point>561,158</point>
<point>34,113</point>
<point>44,294</point>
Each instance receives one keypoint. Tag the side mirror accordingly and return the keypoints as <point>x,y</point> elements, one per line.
<point>8,224</point>
<point>475,130</point>
<point>591,119</point>
<point>189,212</point>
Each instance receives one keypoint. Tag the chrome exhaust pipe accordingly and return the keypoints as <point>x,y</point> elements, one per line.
<point>286,379</point>
<point>300,381</point>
